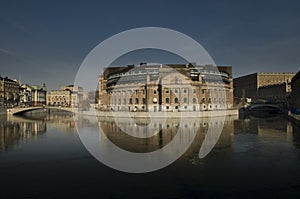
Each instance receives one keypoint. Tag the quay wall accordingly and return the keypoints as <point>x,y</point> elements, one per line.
<point>198,114</point>
<point>294,118</point>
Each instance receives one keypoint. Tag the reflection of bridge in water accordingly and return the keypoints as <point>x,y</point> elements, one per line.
<point>19,110</point>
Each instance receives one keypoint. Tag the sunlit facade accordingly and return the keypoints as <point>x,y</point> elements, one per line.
<point>175,87</point>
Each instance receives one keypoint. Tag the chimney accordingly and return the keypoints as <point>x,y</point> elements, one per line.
<point>143,64</point>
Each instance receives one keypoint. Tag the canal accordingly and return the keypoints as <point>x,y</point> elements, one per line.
<point>43,157</point>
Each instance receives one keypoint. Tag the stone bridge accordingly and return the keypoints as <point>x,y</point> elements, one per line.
<point>263,106</point>
<point>18,110</point>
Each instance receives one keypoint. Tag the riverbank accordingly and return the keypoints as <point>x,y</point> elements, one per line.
<point>97,113</point>
<point>196,114</point>
<point>294,118</point>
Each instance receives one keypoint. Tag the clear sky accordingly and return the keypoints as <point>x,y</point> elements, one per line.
<point>46,41</point>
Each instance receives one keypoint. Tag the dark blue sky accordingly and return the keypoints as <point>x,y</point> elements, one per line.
<point>46,41</point>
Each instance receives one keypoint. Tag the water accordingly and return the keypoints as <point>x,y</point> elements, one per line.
<point>43,157</point>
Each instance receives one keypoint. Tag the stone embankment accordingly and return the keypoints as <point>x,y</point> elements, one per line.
<point>294,118</point>
<point>199,114</point>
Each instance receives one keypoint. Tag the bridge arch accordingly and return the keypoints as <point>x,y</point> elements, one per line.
<point>19,110</point>
<point>253,107</point>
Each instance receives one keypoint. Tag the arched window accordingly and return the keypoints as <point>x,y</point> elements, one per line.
<point>176,100</point>
<point>167,100</point>
<point>136,100</point>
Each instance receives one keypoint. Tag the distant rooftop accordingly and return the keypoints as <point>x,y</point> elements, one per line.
<point>267,73</point>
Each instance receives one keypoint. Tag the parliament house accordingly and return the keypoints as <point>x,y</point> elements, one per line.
<point>172,87</point>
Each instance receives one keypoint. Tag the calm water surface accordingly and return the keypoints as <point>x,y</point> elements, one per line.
<point>43,157</point>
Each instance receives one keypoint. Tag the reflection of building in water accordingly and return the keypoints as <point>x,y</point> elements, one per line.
<point>224,141</point>
<point>165,133</point>
<point>246,126</point>
<point>281,130</point>
<point>289,132</point>
<point>12,132</point>
<point>15,129</point>
<point>266,128</point>
<point>175,87</point>
<point>65,123</point>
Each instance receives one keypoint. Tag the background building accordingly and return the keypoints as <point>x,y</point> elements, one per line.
<point>76,94</point>
<point>9,92</point>
<point>25,95</point>
<point>69,96</point>
<point>295,94</point>
<point>275,92</point>
<point>32,95</point>
<point>59,98</point>
<point>175,87</point>
<point>38,95</point>
<point>248,86</point>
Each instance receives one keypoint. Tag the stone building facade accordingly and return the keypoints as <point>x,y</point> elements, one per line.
<point>38,95</point>
<point>275,92</point>
<point>248,86</point>
<point>32,95</point>
<point>9,92</point>
<point>294,101</point>
<point>175,87</point>
<point>68,96</point>
<point>76,94</point>
<point>25,95</point>
<point>59,98</point>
